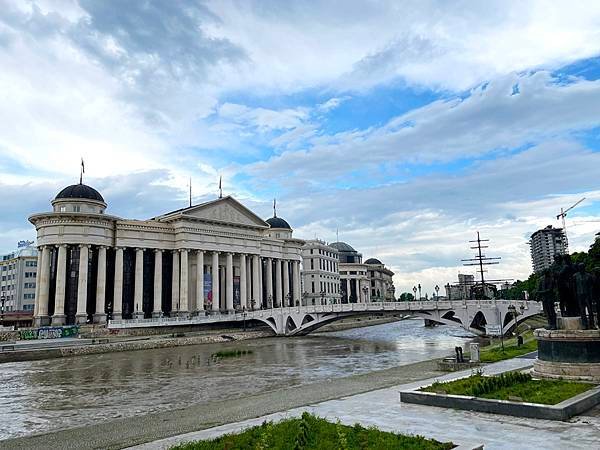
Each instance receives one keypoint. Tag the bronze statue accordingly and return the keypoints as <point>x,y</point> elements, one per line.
<point>596,293</point>
<point>547,295</point>
<point>584,285</point>
<point>564,270</point>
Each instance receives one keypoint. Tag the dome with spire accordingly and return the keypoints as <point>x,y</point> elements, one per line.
<point>278,222</point>
<point>79,191</point>
<point>342,247</point>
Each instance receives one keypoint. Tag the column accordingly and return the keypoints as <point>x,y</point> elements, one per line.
<point>255,281</point>
<point>215,281</point>
<point>229,282</point>
<point>36,304</point>
<point>43,287</point>
<point>175,285</point>
<point>138,292</point>
<point>100,314</point>
<point>118,297</point>
<point>286,282</point>
<point>269,280</point>
<point>183,296</point>
<point>278,287</point>
<point>157,306</point>
<point>82,283</point>
<point>200,280</point>
<point>297,283</point>
<point>248,281</point>
<point>243,287</point>
<point>61,283</point>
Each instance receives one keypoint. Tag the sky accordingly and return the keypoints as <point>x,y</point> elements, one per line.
<point>404,126</point>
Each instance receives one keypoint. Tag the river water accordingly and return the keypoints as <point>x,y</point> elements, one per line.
<point>38,396</point>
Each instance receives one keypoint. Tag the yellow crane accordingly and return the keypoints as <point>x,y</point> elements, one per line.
<point>563,214</point>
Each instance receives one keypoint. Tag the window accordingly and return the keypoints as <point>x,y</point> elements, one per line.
<point>313,287</point>
<point>312,264</point>
<point>30,263</point>
<point>63,209</point>
<point>29,296</point>
<point>311,251</point>
<point>29,274</point>
<point>29,285</point>
<point>76,208</point>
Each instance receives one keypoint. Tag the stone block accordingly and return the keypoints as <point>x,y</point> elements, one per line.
<point>570,323</point>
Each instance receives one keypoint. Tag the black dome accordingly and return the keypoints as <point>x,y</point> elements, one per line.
<point>342,247</point>
<point>278,222</point>
<point>80,191</point>
<point>373,261</point>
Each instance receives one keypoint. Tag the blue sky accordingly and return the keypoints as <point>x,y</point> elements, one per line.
<point>408,126</point>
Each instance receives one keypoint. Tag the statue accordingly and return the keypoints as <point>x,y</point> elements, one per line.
<point>563,270</point>
<point>584,285</point>
<point>546,294</point>
<point>596,293</point>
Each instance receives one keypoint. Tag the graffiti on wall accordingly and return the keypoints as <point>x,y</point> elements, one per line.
<point>49,333</point>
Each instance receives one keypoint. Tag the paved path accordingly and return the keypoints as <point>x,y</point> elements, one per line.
<point>468,429</point>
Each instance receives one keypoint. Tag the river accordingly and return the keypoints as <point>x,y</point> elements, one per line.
<point>38,396</point>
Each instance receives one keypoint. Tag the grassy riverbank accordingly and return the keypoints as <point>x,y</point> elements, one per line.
<point>495,352</point>
<point>511,386</point>
<point>310,432</point>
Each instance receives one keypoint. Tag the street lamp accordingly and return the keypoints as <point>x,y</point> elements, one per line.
<point>287,298</point>
<point>415,292</point>
<point>448,291</point>
<point>2,301</point>
<point>365,290</point>
<point>419,286</point>
<point>322,294</point>
<point>270,301</point>
<point>437,292</point>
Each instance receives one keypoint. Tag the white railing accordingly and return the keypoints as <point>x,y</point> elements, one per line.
<point>315,309</point>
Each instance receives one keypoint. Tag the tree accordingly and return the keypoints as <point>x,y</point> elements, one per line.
<point>406,297</point>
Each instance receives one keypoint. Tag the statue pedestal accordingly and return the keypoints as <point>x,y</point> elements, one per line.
<point>571,354</point>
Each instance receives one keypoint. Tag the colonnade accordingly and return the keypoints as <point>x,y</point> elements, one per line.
<point>264,282</point>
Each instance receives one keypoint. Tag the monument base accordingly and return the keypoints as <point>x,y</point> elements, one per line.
<point>569,354</point>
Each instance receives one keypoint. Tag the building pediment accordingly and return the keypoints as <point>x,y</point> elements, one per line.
<point>224,210</point>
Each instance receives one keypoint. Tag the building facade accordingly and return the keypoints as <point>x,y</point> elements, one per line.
<point>354,280</point>
<point>545,244</point>
<point>18,271</point>
<point>215,257</point>
<point>320,273</point>
<point>380,281</point>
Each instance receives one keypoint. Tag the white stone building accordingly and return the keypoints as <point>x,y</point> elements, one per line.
<point>545,244</point>
<point>18,279</point>
<point>213,257</point>
<point>380,281</point>
<point>354,279</point>
<point>320,276</point>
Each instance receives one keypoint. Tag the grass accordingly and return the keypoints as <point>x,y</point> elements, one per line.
<point>546,392</point>
<point>494,352</point>
<point>230,353</point>
<point>310,432</point>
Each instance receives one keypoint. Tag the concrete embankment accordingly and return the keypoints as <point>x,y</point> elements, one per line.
<point>96,346</point>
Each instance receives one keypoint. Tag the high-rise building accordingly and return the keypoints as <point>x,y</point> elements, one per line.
<point>17,279</point>
<point>320,274</point>
<point>545,244</point>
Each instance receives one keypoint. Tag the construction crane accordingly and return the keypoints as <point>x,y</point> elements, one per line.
<point>563,214</point>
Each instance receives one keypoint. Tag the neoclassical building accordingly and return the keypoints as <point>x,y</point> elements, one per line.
<point>214,257</point>
<point>380,280</point>
<point>354,279</point>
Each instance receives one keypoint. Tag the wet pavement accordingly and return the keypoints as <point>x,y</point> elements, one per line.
<point>40,396</point>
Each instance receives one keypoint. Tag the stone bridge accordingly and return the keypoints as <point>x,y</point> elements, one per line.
<point>472,315</point>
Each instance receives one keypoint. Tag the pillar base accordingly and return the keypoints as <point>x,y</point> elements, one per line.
<point>100,318</point>
<point>139,315</point>
<point>81,319</point>
<point>157,314</point>
<point>41,321</point>
<point>58,320</point>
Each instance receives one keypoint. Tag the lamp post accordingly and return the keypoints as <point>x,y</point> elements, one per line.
<point>343,294</point>
<point>365,290</point>
<point>415,292</point>
<point>2,301</point>
<point>322,294</point>
<point>270,301</point>
<point>288,296</point>
<point>419,286</point>
<point>449,291</point>
<point>437,292</point>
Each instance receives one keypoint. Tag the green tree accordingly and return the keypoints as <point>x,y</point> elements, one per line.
<point>406,297</point>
